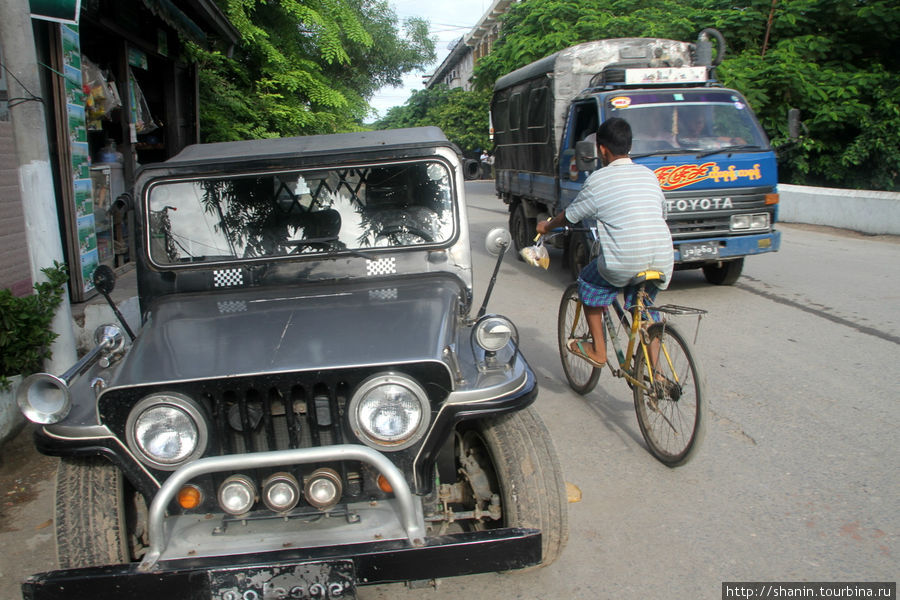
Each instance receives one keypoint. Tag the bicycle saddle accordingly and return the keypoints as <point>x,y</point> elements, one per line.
<point>648,275</point>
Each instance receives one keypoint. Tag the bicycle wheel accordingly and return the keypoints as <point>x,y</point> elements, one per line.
<point>572,324</point>
<point>671,411</point>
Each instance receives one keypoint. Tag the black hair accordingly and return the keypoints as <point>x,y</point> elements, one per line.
<point>615,134</point>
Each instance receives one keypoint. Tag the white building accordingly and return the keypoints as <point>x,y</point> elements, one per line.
<point>457,69</point>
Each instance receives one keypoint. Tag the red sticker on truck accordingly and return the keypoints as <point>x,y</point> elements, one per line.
<point>621,102</point>
<point>675,177</point>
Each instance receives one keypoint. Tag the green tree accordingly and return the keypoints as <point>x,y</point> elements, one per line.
<point>462,115</point>
<point>304,66</point>
<point>835,60</point>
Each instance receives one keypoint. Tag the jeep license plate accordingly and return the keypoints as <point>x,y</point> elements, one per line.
<point>309,581</point>
<point>702,251</point>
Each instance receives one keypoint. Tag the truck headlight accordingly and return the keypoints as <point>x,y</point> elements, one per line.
<point>166,430</point>
<point>389,412</point>
<point>749,222</point>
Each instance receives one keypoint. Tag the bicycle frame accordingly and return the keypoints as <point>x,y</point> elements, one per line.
<point>634,337</point>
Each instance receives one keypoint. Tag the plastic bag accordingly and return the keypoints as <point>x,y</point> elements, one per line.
<point>536,255</point>
<point>140,110</point>
<point>101,96</point>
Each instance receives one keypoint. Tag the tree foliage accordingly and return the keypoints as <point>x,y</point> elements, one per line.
<point>463,116</point>
<point>835,60</point>
<point>304,66</point>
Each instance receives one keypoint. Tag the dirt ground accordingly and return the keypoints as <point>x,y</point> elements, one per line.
<point>26,515</point>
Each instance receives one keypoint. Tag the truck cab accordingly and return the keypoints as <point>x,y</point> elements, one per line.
<point>713,161</point>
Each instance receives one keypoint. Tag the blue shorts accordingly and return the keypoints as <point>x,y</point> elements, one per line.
<point>596,291</point>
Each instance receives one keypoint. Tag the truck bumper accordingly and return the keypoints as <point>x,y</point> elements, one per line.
<point>263,575</point>
<point>733,247</point>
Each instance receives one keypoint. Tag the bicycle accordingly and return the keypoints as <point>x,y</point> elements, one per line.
<point>670,403</point>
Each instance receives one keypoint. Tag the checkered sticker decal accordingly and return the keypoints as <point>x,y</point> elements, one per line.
<point>228,278</point>
<point>232,306</point>
<point>382,266</point>
<point>383,295</point>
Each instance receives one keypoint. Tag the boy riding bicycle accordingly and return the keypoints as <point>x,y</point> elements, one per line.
<point>630,209</point>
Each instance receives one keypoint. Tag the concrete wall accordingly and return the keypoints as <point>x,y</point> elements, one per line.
<point>14,265</point>
<point>859,210</point>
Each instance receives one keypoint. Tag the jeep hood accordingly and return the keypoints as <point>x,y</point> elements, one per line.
<point>189,337</point>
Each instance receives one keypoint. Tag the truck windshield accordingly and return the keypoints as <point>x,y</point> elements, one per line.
<point>688,121</point>
<point>296,213</point>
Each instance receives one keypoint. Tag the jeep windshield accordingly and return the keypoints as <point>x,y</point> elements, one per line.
<point>300,213</point>
<point>688,121</point>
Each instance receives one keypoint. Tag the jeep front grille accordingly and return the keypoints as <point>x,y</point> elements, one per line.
<point>256,420</point>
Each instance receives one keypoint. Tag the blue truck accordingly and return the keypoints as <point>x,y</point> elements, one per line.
<point>713,160</point>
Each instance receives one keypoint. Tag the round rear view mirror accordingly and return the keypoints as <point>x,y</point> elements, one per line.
<point>497,241</point>
<point>104,279</point>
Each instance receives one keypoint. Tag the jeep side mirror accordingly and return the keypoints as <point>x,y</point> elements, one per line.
<point>497,241</point>
<point>586,155</point>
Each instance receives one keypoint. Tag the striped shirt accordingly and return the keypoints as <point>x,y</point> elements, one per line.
<point>630,209</point>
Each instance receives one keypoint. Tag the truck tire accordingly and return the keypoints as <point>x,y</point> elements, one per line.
<point>522,228</point>
<point>579,254</point>
<point>90,513</point>
<point>517,455</point>
<point>724,273</point>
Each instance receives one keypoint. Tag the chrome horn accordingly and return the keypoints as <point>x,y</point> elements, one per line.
<point>44,398</point>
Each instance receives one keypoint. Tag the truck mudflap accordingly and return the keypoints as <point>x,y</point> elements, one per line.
<point>331,572</point>
<point>719,248</point>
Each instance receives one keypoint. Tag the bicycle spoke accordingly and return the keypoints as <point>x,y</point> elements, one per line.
<point>670,409</point>
<point>571,324</point>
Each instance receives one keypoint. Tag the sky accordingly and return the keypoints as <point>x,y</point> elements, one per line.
<point>449,20</point>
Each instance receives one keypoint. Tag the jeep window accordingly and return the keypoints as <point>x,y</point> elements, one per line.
<point>297,213</point>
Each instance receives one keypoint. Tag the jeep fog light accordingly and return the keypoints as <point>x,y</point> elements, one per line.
<point>237,495</point>
<point>389,412</point>
<point>166,431</point>
<point>281,492</point>
<point>323,488</point>
<point>493,333</point>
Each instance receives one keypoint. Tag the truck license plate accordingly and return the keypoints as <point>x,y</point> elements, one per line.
<point>309,581</point>
<point>702,251</point>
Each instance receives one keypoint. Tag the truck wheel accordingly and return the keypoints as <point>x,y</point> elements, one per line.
<point>521,228</point>
<point>515,454</point>
<point>579,254</point>
<point>725,273</point>
<point>90,513</point>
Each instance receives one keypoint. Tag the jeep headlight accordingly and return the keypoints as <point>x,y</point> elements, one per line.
<point>389,412</point>
<point>166,430</point>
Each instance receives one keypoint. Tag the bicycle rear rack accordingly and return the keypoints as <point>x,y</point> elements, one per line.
<point>674,309</point>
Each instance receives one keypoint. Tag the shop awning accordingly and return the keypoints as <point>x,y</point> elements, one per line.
<point>211,19</point>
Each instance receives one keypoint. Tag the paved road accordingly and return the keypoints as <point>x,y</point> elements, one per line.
<point>797,479</point>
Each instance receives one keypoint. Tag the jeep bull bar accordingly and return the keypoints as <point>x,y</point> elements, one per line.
<point>271,567</point>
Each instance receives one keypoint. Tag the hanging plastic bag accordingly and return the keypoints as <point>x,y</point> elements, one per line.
<point>536,255</point>
<point>141,116</point>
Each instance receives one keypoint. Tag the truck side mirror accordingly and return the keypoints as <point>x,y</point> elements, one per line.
<point>586,155</point>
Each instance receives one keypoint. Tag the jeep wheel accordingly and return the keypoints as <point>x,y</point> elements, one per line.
<point>92,516</point>
<point>516,458</point>
<point>522,228</point>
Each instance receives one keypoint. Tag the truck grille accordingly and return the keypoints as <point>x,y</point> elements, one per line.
<point>682,228</point>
